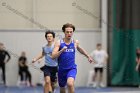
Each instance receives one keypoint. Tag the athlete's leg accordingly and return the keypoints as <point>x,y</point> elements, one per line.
<point>62,90</point>
<point>47,86</point>
<point>53,84</point>
<point>21,75</point>
<point>53,77</point>
<point>3,73</point>
<point>62,80</point>
<point>70,80</point>
<point>47,78</point>
<point>95,77</point>
<point>101,76</point>
<point>70,84</point>
<point>28,77</point>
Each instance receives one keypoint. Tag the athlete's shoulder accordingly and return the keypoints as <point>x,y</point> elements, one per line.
<point>45,45</point>
<point>57,43</point>
<point>76,41</point>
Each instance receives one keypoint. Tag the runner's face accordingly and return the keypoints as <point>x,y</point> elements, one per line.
<point>68,32</point>
<point>50,38</point>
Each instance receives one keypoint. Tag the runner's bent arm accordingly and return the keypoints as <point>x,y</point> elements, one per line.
<point>56,53</point>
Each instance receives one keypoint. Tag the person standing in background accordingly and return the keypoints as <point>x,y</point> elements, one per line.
<point>3,61</point>
<point>23,69</point>
<point>100,56</point>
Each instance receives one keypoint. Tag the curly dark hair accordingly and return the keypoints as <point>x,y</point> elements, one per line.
<point>68,25</point>
<point>49,32</point>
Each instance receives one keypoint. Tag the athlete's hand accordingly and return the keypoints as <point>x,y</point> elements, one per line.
<point>90,59</point>
<point>64,48</point>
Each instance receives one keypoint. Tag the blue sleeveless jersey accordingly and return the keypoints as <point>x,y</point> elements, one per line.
<point>48,52</point>
<point>66,59</point>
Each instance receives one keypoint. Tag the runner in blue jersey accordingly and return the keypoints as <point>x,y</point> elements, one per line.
<point>50,67</point>
<point>64,50</point>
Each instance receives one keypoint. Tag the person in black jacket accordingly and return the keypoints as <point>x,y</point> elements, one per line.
<point>3,61</point>
<point>23,69</point>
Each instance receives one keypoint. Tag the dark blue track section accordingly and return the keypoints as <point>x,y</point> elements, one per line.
<point>4,89</point>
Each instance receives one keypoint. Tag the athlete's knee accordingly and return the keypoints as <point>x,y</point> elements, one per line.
<point>70,83</point>
<point>47,81</point>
